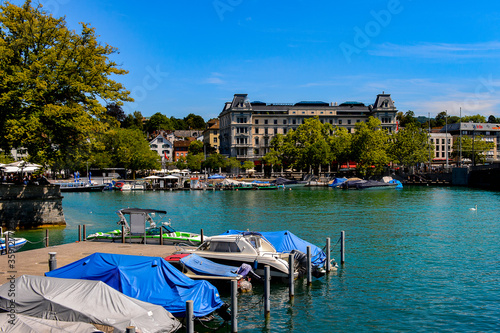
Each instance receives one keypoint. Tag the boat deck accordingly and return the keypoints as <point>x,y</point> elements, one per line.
<point>35,262</point>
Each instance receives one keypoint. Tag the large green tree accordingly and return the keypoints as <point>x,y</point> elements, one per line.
<point>409,146</point>
<point>369,146</point>
<point>215,161</point>
<point>194,122</point>
<point>472,148</point>
<point>52,82</point>
<point>158,121</point>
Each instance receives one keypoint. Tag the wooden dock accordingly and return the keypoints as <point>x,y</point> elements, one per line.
<point>36,262</point>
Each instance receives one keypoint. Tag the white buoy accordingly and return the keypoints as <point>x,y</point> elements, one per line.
<point>473,209</point>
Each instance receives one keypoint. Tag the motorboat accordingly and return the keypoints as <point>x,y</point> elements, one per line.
<point>15,243</point>
<point>288,182</point>
<point>133,186</point>
<point>80,186</point>
<point>248,247</point>
<point>141,227</point>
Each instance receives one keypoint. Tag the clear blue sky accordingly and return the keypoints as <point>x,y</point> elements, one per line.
<point>192,56</point>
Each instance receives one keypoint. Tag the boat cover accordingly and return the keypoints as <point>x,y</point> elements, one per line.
<point>374,184</point>
<point>26,324</point>
<point>337,182</point>
<point>285,241</point>
<point>203,266</point>
<point>83,301</point>
<point>149,279</point>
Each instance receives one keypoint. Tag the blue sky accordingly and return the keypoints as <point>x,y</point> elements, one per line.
<point>192,56</point>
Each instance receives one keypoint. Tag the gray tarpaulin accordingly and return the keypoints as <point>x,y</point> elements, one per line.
<point>85,301</point>
<point>25,324</point>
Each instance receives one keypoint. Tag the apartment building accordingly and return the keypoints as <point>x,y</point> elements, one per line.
<point>246,128</point>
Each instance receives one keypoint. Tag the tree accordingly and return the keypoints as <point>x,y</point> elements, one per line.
<point>126,148</point>
<point>115,111</point>
<point>178,124</point>
<point>215,161</point>
<point>134,121</point>
<point>340,145</point>
<point>194,122</point>
<point>406,119</point>
<point>158,121</point>
<point>233,163</point>
<point>369,146</point>
<point>472,148</point>
<point>194,161</point>
<point>52,80</point>
<point>409,146</point>
<point>247,165</point>
<point>195,147</point>
<point>492,119</point>
<point>475,119</point>
<point>181,163</point>
<point>310,144</point>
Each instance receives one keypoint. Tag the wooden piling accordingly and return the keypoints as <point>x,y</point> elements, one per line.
<point>84,232</point>
<point>189,317</point>
<point>234,306</point>
<point>161,235</point>
<point>123,233</point>
<point>309,267</point>
<point>201,235</point>
<point>291,268</point>
<point>79,233</point>
<point>342,247</point>
<point>327,266</point>
<point>46,237</point>
<point>130,329</point>
<point>267,290</point>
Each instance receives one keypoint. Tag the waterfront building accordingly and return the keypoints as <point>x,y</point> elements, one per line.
<point>442,147</point>
<point>487,131</point>
<point>211,134</point>
<point>162,146</point>
<point>181,149</point>
<point>246,128</point>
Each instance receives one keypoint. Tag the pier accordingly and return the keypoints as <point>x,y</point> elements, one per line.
<point>36,262</point>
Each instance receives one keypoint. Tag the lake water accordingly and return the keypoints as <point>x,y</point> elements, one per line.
<point>417,259</point>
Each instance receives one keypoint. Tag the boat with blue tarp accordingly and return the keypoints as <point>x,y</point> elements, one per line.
<point>149,279</point>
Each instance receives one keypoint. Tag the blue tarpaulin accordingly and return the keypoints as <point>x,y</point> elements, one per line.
<point>216,176</point>
<point>285,241</point>
<point>337,182</point>
<point>149,279</point>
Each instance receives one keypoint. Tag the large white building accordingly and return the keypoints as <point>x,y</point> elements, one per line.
<point>246,128</point>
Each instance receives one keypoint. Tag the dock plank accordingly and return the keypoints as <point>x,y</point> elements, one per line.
<point>36,262</point>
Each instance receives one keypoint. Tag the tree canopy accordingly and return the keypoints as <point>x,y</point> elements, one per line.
<point>409,146</point>
<point>52,80</point>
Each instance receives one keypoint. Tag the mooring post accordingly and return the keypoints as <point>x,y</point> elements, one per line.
<point>84,232</point>
<point>189,317</point>
<point>123,233</point>
<point>267,290</point>
<point>130,329</point>
<point>309,268</point>
<point>161,235</point>
<point>46,237</point>
<point>342,247</point>
<point>327,266</point>
<point>52,261</point>
<point>201,235</point>
<point>234,306</point>
<point>79,233</point>
<point>7,240</point>
<point>291,269</point>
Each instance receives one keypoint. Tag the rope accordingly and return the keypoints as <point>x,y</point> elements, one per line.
<point>210,328</point>
<point>43,240</point>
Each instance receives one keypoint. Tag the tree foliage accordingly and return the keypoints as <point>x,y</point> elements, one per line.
<point>52,80</point>
<point>475,119</point>
<point>157,122</point>
<point>409,146</point>
<point>194,122</point>
<point>194,161</point>
<point>134,121</point>
<point>195,147</point>
<point>472,148</point>
<point>369,146</point>
<point>215,161</point>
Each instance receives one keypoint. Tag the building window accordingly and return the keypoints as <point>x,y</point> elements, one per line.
<point>294,121</point>
<point>284,130</point>
<point>340,121</point>
<point>256,141</point>
<point>275,130</point>
<point>265,131</point>
<point>256,130</point>
<point>275,121</point>
<point>284,121</point>
<point>265,121</point>
<point>215,139</point>
<point>160,139</point>
<point>348,121</point>
<point>256,121</point>
<point>241,120</point>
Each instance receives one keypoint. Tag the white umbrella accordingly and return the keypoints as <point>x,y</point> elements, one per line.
<point>170,177</point>
<point>175,171</point>
<point>152,177</point>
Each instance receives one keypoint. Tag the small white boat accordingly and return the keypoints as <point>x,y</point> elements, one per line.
<point>15,243</point>
<point>248,247</point>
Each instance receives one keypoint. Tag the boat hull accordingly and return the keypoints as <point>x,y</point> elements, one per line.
<point>15,244</point>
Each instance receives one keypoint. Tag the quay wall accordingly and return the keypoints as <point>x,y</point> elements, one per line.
<point>30,206</point>
<point>487,178</point>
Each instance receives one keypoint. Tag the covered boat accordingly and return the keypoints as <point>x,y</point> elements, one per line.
<point>285,242</point>
<point>10,323</point>
<point>288,182</point>
<point>149,279</point>
<point>337,182</point>
<point>92,302</point>
<point>140,227</point>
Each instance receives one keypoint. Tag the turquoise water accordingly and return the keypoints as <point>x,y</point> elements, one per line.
<point>416,260</point>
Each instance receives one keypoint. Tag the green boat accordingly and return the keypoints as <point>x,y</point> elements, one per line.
<point>141,227</point>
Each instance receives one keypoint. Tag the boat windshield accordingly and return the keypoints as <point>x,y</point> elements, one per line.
<point>168,229</point>
<point>222,247</point>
